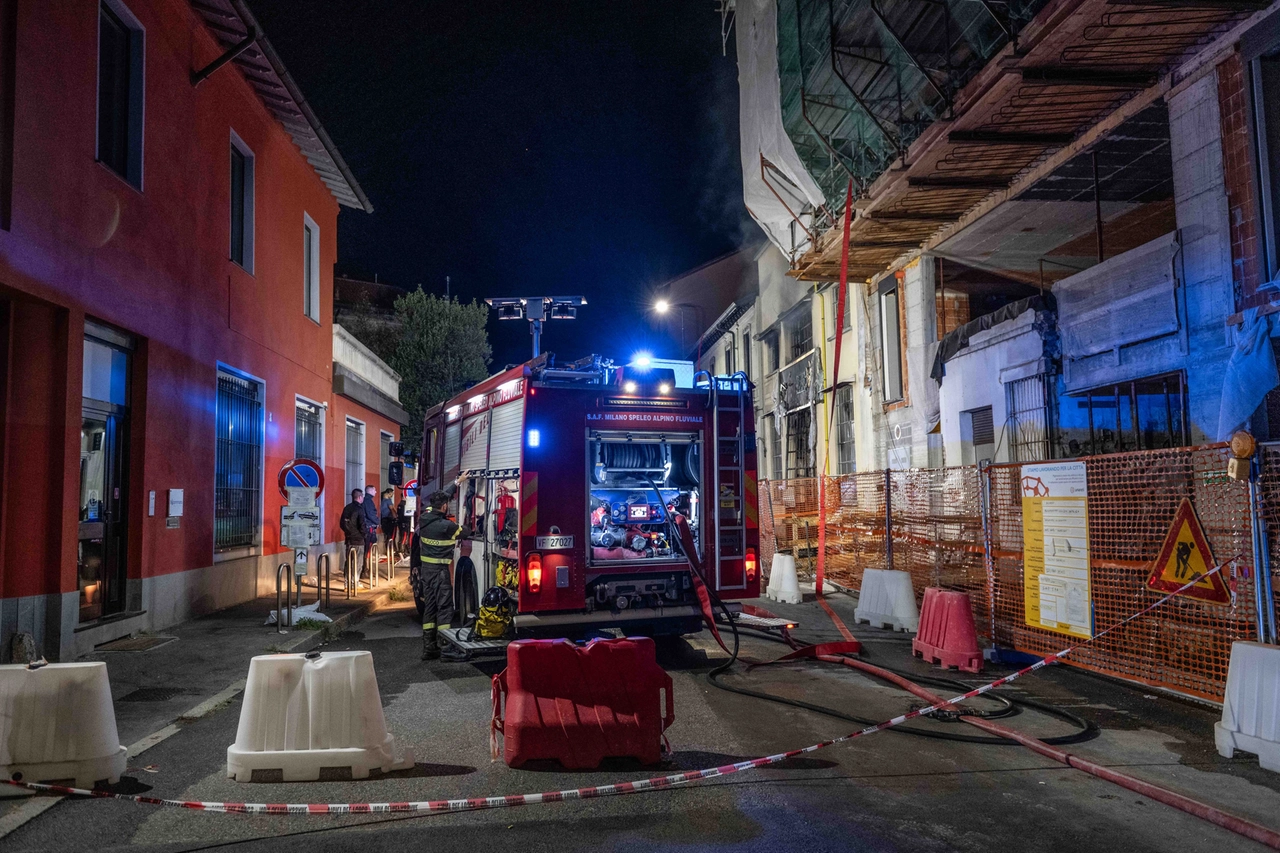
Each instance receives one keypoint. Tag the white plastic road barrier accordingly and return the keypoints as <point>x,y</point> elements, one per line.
<point>1251,707</point>
<point>303,714</point>
<point>887,600</point>
<point>784,586</point>
<point>57,722</point>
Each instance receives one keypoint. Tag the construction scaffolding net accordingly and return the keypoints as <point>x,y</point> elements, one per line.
<point>942,537</point>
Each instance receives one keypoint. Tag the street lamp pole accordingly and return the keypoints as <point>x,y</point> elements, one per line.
<point>662,306</point>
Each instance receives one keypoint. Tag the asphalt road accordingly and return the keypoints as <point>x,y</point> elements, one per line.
<point>887,792</point>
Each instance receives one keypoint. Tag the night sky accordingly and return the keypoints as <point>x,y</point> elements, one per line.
<point>527,148</point>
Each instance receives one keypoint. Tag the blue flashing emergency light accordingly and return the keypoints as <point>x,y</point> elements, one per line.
<point>642,359</point>
<point>534,438</point>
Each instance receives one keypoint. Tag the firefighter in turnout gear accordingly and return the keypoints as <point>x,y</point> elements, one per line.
<point>430,557</point>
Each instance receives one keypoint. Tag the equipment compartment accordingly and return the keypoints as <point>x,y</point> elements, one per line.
<point>637,482</point>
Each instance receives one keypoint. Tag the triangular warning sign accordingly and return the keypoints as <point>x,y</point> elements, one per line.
<point>1185,555</point>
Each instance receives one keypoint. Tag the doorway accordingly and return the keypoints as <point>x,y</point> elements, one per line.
<point>104,466</point>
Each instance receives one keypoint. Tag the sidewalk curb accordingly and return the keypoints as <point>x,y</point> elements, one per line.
<point>347,620</point>
<point>37,806</point>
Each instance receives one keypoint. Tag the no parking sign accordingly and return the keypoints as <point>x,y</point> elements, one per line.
<point>300,474</point>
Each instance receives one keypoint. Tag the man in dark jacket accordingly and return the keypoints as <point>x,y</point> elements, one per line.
<point>353,529</point>
<point>429,561</point>
<point>371,519</point>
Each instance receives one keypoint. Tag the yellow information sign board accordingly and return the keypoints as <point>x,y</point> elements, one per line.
<point>1055,548</point>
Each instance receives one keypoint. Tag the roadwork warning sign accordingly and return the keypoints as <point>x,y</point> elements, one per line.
<point>1055,535</point>
<point>1185,555</point>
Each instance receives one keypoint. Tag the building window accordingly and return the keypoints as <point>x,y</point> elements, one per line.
<point>746,352</point>
<point>799,452</point>
<point>120,94</point>
<point>384,460</point>
<point>355,456</point>
<point>775,449</point>
<point>308,432</point>
<point>977,436</point>
<point>1146,414</point>
<point>8,101</point>
<point>310,268</point>
<point>728,356</point>
<point>848,312</point>
<point>1029,421</point>
<point>844,430</point>
<point>771,353</point>
<point>1265,79</point>
<point>241,203</point>
<point>891,337</point>
<point>799,328</point>
<point>238,463</point>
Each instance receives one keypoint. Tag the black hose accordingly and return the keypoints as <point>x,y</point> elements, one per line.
<point>1087,730</point>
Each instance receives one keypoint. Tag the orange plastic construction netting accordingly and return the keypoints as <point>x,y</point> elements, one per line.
<point>938,537</point>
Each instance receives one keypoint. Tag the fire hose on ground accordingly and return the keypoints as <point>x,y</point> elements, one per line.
<point>1046,747</point>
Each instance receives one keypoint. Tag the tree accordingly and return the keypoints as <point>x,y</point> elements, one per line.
<point>440,348</point>
<point>376,330</point>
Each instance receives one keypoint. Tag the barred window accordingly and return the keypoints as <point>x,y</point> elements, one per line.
<point>799,457</point>
<point>308,432</point>
<point>355,458</point>
<point>800,331</point>
<point>385,461</point>
<point>844,430</point>
<point>238,465</point>
<point>775,449</point>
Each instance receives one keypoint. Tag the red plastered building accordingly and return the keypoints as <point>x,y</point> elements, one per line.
<point>168,233</point>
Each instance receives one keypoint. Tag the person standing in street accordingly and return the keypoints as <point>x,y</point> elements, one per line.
<point>387,517</point>
<point>353,530</point>
<point>371,517</point>
<point>402,525</point>
<point>430,558</point>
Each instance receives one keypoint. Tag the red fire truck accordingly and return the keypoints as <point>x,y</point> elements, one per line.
<point>574,476</point>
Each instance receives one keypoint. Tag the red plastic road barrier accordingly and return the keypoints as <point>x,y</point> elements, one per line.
<point>580,705</point>
<point>1220,818</point>
<point>947,635</point>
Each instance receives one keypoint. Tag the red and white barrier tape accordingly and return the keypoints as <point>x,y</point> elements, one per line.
<point>655,783</point>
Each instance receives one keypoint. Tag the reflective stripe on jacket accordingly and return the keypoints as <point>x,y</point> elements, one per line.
<point>437,535</point>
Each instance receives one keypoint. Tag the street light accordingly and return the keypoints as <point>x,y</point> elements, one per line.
<point>663,306</point>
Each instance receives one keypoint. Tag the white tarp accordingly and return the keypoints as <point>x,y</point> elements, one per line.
<point>926,408</point>
<point>1250,374</point>
<point>762,133</point>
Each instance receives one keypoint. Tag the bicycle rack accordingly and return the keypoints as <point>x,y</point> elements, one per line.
<point>353,562</point>
<point>323,558</point>
<point>287,569</point>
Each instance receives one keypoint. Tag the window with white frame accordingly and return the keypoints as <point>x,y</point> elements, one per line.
<point>238,429</point>
<point>844,430</point>
<point>120,91</point>
<point>746,352</point>
<point>384,460</point>
<point>241,203</point>
<point>775,449</point>
<point>355,456</point>
<point>308,431</point>
<point>310,268</point>
<point>891,344</point>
